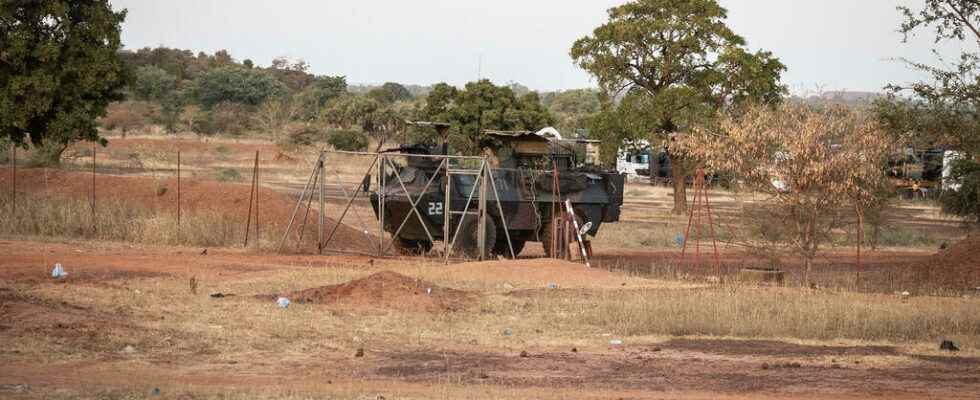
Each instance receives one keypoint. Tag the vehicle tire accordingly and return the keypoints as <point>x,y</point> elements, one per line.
<point>410,247</point>
<point>467,243</point>
<point>546,232</point>
<point>500,247</point>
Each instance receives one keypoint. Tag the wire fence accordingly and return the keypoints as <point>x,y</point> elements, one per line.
<point>195,192</point>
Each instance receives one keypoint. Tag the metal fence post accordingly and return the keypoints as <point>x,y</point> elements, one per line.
<point>482,213</point>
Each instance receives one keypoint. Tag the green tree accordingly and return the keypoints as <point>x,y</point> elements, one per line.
<point>945,109</point>
<point>389,93</point>
<point>234,84</point>
<point>483,106</point>
<point>572,108</point>
<point>382,122</point>
<point>316,96</point>
<point>155,84</point>
<point>673,48</point>
<point>59,70</point>
<point>151,83</point>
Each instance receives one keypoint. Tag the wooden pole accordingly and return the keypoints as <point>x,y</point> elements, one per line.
<point>687,231</point>
<point>714,237</point>
<point>94,149</point>
<point>698,185</point>
<point>251,199</point>
<point>178,196</point>
<point>257,239</point>
<point>13,191</point>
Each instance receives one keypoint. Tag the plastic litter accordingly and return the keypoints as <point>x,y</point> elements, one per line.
<point>508,332</point>
<point>552,285</point>
<point>58,272</point>
<point>155,392</point>
<point>616,342</point>
<point>679,239</point>
<point>283,302</point>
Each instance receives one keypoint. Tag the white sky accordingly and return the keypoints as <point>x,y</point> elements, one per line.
<point>831,44</point>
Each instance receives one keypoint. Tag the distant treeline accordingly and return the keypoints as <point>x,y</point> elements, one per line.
<point>177,90</point>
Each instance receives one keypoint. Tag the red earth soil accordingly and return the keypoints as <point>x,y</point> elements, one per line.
<point>228,200</point>
<point>957,266</point>
<point>385,291</point>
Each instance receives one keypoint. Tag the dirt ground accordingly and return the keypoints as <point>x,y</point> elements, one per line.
<point>138,321</point>
<point>63,340</point>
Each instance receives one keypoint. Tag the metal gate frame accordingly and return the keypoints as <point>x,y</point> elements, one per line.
<point>379,165</point>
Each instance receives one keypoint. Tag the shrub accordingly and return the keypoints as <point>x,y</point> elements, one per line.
<point>348,140</point>
<point>964,201</point>
<point>228,175</point>
<point>303,134</point>
<point>225,118</point>
<point>129,116</point>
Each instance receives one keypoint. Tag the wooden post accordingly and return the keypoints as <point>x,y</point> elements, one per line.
<point>13,191</point>
<point>94,148</point>
<point>258,241</point>
<point>251,199</point>
<point>178,196</point>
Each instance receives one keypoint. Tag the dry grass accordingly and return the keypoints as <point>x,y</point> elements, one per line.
<point>761,313</point>
<point>115,220</point>
<point>162,308</point>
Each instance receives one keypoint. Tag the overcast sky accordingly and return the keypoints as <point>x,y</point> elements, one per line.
<point>830,44</point>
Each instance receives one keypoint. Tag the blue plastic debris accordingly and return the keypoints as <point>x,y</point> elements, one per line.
<point>679,239</point>
<point>283,302</point>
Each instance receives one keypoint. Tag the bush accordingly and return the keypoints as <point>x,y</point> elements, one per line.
<point>129,116</point>
<point>348,140</point>
<point>5,145</point>
<point>228,175</point>
<point>225,118</point>
<point>965,200</point>
<point>303,134</point>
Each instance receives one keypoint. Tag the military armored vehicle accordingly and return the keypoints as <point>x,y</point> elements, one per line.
<point>523,169</point>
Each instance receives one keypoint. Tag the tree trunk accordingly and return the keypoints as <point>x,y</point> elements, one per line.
<point>48,154</point>
<point>654,166</point>
<point>807,263</point>
<point>679,176</point>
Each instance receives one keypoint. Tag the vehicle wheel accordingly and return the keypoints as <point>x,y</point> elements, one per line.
<point>410,247</point>
<point>501,248</point>
<point>467,243</point>
<point>546,232</point>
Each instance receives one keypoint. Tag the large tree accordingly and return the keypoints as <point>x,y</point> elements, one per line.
<point>944,110</point>
<point>670,48</point>
<point>59,70</point>
<point>233,84</point>
<point>482,106</point>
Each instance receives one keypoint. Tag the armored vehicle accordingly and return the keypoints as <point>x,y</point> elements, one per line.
<point>524,169</point>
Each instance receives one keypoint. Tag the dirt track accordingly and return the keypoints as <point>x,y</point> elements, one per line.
<point>176,358</point>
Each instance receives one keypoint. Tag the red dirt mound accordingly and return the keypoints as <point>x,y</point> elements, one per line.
<point>386,290</point>
<point>959,265</point>
<point>197,196</point>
